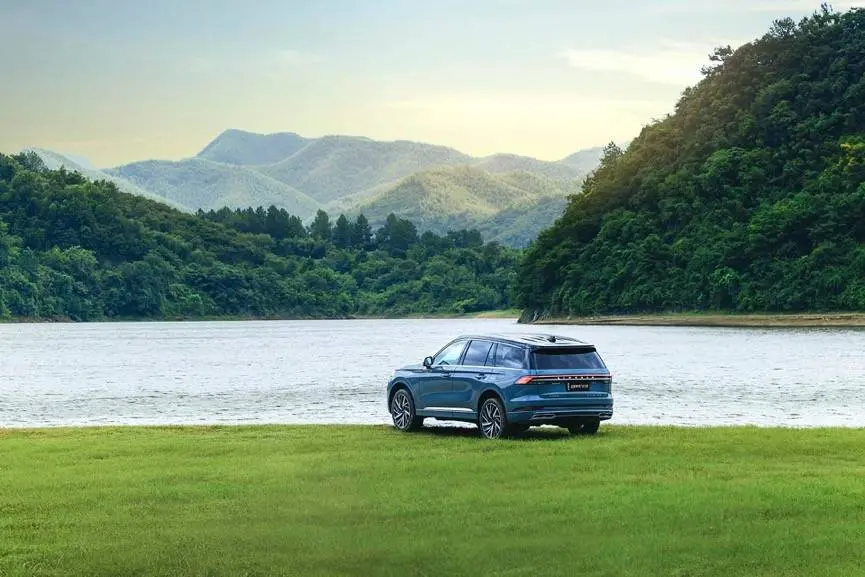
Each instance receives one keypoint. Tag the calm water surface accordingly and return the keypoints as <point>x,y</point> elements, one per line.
<point>335,371</point>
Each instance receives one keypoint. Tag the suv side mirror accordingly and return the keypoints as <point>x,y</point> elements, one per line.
<point>427,362</point>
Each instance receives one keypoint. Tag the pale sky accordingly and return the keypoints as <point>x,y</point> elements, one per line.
<point>119,80</point>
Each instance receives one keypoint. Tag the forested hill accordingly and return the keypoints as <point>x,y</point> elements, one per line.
<point>75,249</point>
<point>750,197</point>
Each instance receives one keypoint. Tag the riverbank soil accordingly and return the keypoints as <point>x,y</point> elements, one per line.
<point>718,320</point>
<point>368,500</point>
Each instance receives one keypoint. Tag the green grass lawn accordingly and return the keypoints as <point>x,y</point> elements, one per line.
<point>326,500</point>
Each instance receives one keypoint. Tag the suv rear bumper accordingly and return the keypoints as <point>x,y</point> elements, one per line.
<point>537,413</point>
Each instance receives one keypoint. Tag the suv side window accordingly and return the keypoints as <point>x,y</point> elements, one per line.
<point>477,353</point>
<point>491,358</point>
<point>450,355</point>
<point>510,357</point>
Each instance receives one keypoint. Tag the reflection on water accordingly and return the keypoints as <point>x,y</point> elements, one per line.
<point>335,371</point>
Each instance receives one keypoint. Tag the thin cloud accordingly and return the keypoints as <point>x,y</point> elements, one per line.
<point>296,57</point>
<point>269,61</point>
<point>676,63</point>
<point>478,105</point>
<point>505,103</point>
<point>200,65</point>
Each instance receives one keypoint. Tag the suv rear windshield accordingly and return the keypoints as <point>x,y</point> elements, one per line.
<point>573,358</point>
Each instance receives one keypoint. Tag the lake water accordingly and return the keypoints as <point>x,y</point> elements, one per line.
<point>335,371</point>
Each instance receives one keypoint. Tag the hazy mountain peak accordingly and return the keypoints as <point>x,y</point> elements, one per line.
<point>586,159</point>
<point>242,148</point>
<point>505,162</point>
<point>345,137</point>
<point>198,183</point>
<point>336,166</point>
<point>70,161</point>
<point>54,160</point>
<point>508,207</point>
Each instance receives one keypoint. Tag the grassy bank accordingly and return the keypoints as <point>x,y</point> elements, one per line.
<point>370,501</point>
<point>718,320</point>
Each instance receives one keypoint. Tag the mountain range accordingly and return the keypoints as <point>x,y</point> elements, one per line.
<point>435,186</point>
<point>490,202</point>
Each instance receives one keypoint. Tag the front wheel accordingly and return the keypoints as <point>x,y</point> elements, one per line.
<point>493,421</point>
<point>403,413</point>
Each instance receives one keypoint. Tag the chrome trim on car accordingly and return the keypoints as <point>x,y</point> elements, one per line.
<point>569,412</point>
<point>571,377</point>
<point>449,409</point>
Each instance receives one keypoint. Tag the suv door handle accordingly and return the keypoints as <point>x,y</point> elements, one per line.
<point>481,375</point>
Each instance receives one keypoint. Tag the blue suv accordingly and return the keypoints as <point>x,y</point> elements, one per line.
<point>504,384</point>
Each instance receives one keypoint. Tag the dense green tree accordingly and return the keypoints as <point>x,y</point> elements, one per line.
<point>361,235</point>
<point>750,197</point>
<point>276,222</point>
<point>396,236</point>
<point>466,238</point>
<point>81,250</point>
<point>342,232</point>
<point>321,229</point>
<point>8,247</point>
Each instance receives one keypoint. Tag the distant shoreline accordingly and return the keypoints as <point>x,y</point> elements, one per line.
<point>779,320</point>
<point>495,314</point>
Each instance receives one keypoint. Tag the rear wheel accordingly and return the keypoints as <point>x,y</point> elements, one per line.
<point>403,413</point>
<point>584,426</point>
<point>493,421</point>
<point>591,426</point>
